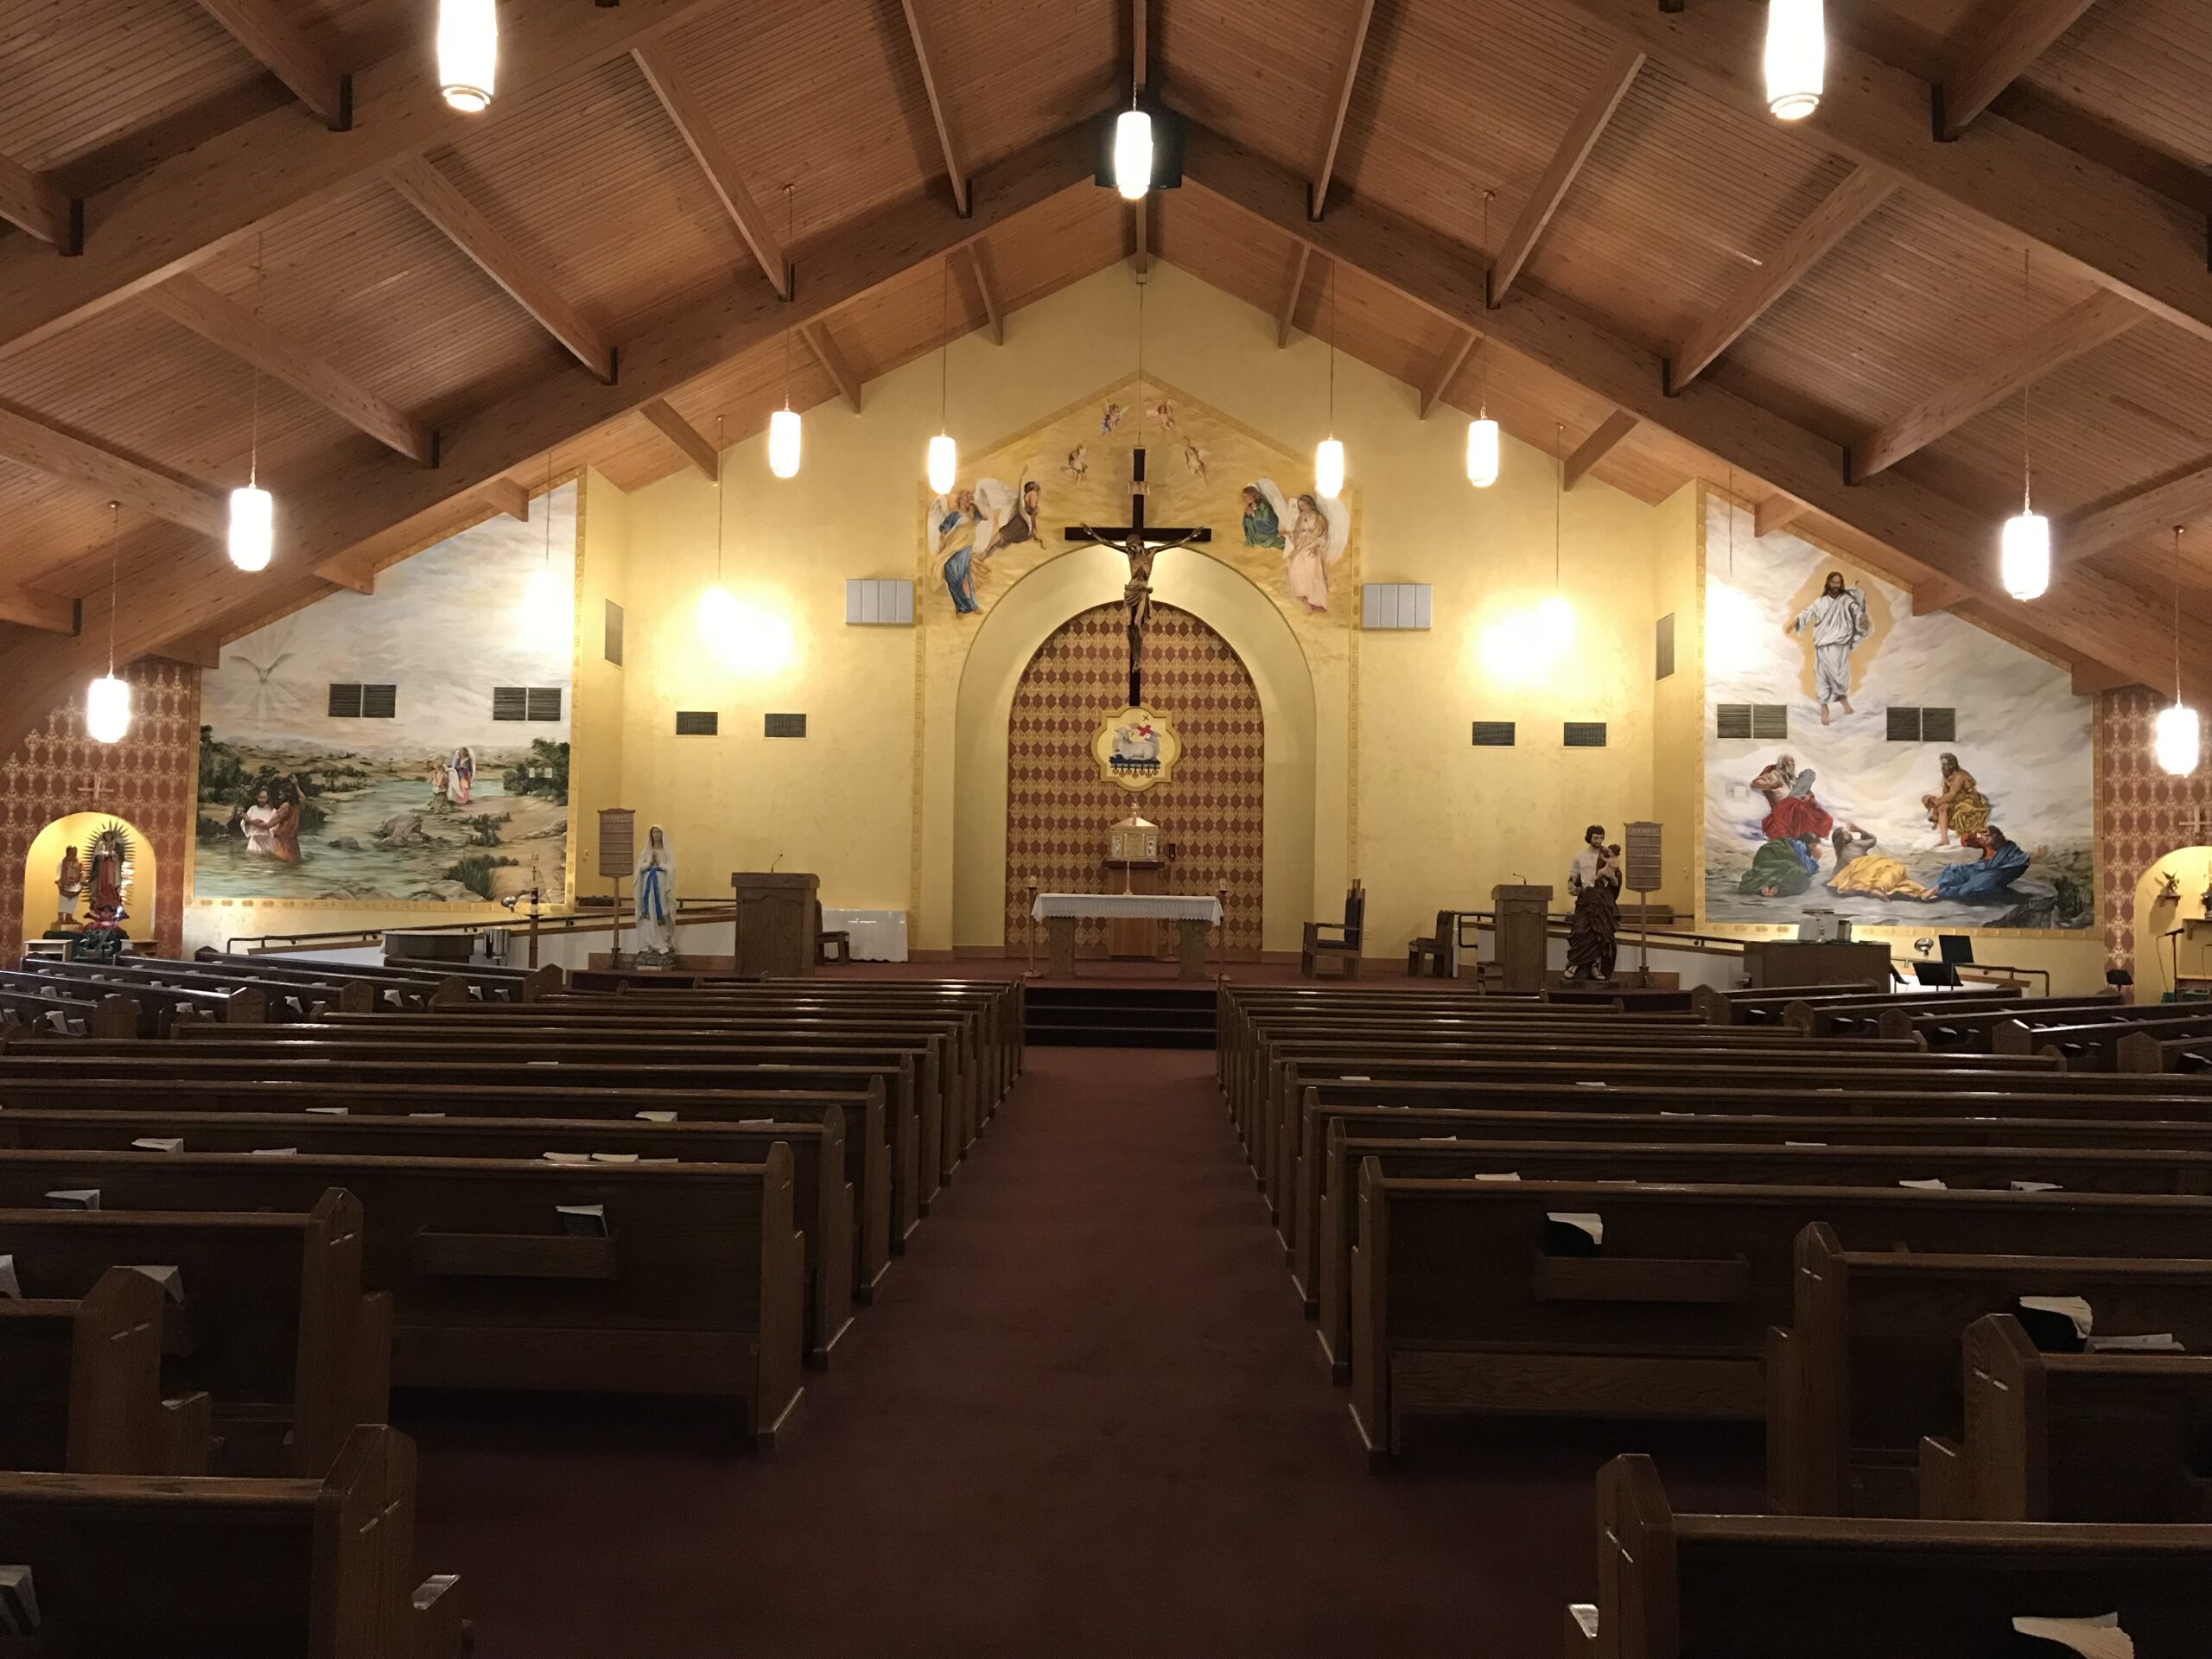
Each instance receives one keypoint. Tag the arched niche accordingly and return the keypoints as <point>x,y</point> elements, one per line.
<point>42,901</point>
<point>2156,917</point>
<point>1024,617</point>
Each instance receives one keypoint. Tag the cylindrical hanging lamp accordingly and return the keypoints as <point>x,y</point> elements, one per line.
<point>1796,57</point>
<point>252,535</point>
<point>1482,452</point>
<point>107,699</point>
<point>1133,154</point>
<point>468,53</point>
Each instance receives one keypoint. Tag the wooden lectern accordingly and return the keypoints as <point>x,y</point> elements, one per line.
<point>1523,935</point>
<point>775,923</point>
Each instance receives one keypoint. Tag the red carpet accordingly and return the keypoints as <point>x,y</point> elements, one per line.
<point>1083,1418</point>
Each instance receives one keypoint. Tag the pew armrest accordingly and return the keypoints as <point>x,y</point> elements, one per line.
<point>1646,1279</point>
<point>516,1255</point>
<point>437,1627</point>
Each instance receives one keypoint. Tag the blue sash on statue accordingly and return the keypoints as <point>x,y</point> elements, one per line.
<point>648,894</point>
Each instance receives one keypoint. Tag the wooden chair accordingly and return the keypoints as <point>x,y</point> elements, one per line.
<point>1434,953</point>
<point>830,945</point>
<point>1346,948</point>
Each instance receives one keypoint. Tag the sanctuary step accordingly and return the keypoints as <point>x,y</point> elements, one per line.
<point>1119,1016</point>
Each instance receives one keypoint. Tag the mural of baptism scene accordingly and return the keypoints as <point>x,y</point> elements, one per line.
<point>410,745</point>
<point>1904,771</point>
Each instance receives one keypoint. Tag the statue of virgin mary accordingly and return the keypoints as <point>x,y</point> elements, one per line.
<point>654,901</point>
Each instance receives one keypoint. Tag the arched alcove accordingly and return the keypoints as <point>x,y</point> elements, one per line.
<point>41,898</point>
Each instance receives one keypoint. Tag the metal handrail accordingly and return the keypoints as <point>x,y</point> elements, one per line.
<point>602,920</point>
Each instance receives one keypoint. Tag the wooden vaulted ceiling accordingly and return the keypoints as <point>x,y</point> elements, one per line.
<point>1578,208</point>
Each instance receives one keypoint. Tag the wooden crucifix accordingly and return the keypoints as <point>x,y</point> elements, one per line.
<point>1137,542</point>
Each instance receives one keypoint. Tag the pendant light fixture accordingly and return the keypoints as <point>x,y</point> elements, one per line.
<point>107,700</point>
<point>944,458</point>
<point>783,425</point>
<point>468,53</point>
<point>1133,153</point>
<point>1796,57</point>
<point>1328,457</point>
<point>2023,551</point>
<point>717,609</point>
<point>1482,431</point>
<point>252,531</point>
<point>2175,739</point>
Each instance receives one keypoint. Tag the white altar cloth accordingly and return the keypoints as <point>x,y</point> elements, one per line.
<point>1152,907</point>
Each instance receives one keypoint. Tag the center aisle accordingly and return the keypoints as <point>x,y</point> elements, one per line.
<point>1084,1418</point>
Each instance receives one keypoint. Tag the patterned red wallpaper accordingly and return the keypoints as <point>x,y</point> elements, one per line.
<point>1210,812</point>
<point>2143,813</point>
<point>149,778</point>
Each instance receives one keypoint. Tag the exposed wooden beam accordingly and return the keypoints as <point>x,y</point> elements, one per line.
<point>687,438</point>
<point>1447,371</point>
<point>335,520</point>
<point>2079,215</point>
<point>195,204</point>
<point>987,291</point>
<point>2179,497</point>
<point>509,497</point>
<point>436,198</point>
<point>1363,16</point>
<point>2102,620</point>
<point>1139,43</point>
<point>1775,513</point>
<point>196,649</point>
<point>926,55</point>
<point>261,27</point>
<point>1996,55</point>
<point>29,608</point>
<point>33,203</point>
<point>1600,444</point>
<point>1141,216</point>
<point>1841,211</point>
<point>689,111</point>
<point>1559,175</point>
<point>1293,289</point>
<point>44,449</point>
<point>222,321</point>
<point>2103,316</point>
<point>826,353</point>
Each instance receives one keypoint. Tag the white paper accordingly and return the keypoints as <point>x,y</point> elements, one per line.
<point>592,1216</point>
<point>75,1198</point>
<point>566,1157</point>
<point>1930,1186</point>
<point>1586,1082</point>
<point>2037,1186</point>
<point>426,1114</point>
<point>1585,1615</point>
<point>614,1157</point>
<point>330,1112</point>
<point>1508,1175</point>
<point>2075,1308</point>
<point>171,1280</point>
<point>2155,1342</point>
<point>659,1117</point>
<point>1804,1143</point>
<point>276,1152</point>
<point>1588,1220</point>
<point>2093,1638</point>
<point>10,1286</point>
<point>160,1143</point>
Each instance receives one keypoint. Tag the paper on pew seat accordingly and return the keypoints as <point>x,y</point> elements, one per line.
<point>2093,1638</point>
<point>1585,1615</point>
<point>1589,1083</point>
<point>1587,1221</point>
<point>614,1158</point>
<point>11,1286</point>
<point>330,1112</point>
<point>582,1220</point>
<point>2037,1186</point>
<point>2155,1342</point>
<point>74,1197</point>
<point>426,1114</point>
<point>1804,1143</point>
<point>18,1602</point>
<point>659,1117</point>
<point>171,1280</point>
<point>2075,1308</point>
<point>160,1143</point>
<point>566,1157</point>
<point>1929,1185</point>
<point>1508,1175</point>
<point>276,1152</point>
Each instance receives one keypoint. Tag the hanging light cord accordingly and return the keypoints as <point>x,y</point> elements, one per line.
<point>1558,496</point>
<point>718,504</point>
<point>260,291</point>
<point>2027,390</point>
<point>2177,534</point>
<point>791,220</point>
<point>549,510</point>
<point>1484,409</point>
<point>1731,524</point>
<point>1333,348</point>
<point>944,341</point>
<point>1141,395</point>
<point>114,556</point>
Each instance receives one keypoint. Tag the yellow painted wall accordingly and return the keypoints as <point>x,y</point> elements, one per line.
<point>42,903</point>
<point>596,713</point>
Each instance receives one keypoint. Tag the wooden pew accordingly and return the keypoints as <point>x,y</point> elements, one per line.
<point>2153,1050</point>
<point>131,1567</point>
<point>82,1384</point>
<point>1459,1307</point>
<point>441,984</point>
<point>1752,1006</point>
<point>2072,1437</point>
<point>824,1198</point>
<point>34,1013</point>
<point>1867,1363</point>
<point>1939,1026</point>
<point>274,1328</point>
<point>161,1007</point>
<point>695,1287</point>
<point>1861,1016</point>
<point>1672,1586</point>
<point>289,997</point>
<point>1986,1168</point>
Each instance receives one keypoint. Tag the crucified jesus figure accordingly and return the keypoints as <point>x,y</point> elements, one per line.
<point>1139,545</point>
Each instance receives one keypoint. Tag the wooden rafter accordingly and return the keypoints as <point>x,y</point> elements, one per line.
<point>1995,57</point>
<point>2102,620</point>
<point>986,291</point>
<point>834,364</point>
<point>435,197</point>
<point>1775,513</point>
<point>261,27</point>
<point>33,203</point>
<point>1559,175</point>
<point>1600,444</point>
<point>1364,16</point>
<point>172,215</point>
<point>33,443</point>
<point>2079,215</point>
<point>933,89</point>
<point>2178,498</point>
<point>2103,316</point>
<point>29,608</point>
<point>509,497</point>
<point>1294,288</point>
<point>1843,209</point>
<point>1447,371</point>
<point>689,111</point>
<point>689,441</point>
<point>1140,218</point>
<point>222,321</point>
<point>1139,43</point>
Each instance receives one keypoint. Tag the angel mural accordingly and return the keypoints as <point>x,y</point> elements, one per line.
<point>967,526</point>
